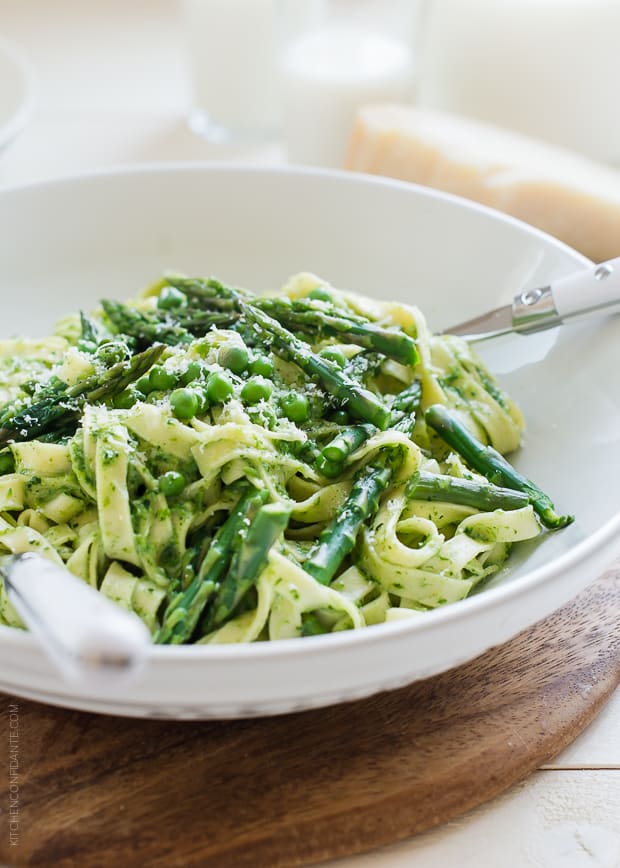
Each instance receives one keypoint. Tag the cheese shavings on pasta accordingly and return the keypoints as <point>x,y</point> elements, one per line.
<point>240,468</point>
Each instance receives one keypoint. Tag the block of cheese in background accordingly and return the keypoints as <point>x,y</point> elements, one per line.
<point>564,194</point>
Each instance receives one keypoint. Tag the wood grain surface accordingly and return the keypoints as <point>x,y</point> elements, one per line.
<point>298,789</point>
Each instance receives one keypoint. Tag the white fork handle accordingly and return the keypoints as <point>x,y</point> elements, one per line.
<point>588,290</point>
<point>88,636</point>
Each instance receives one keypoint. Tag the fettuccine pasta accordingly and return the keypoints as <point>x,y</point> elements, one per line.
<point>235,468</point>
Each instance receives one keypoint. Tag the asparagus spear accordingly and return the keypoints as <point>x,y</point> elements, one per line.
<point>209,293</point>
<point>198,322</point>
<point>408,401</point>
<point>248,562</point>
<point>184,610</point>
<point>468,492</point>
<point>339,537</point>
<point>360,402</point>
<point>491,464</point>
<point>332,322</point>
<point>60,404</point>
<point>90,331</point>
<point>210,303</point>
<point>118,377</point>
<point>332,457</point>
<point>145,328</point>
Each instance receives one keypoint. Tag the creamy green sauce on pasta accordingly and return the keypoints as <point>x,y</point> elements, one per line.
<point>235,468</point>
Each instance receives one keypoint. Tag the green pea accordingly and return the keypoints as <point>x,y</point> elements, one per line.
<point>171,483</point>
<point>171,298</point>
<point>219,388</point>
<point>201,398</point>
<point>191,373</point>
<point>330,469</point>
<point>256,389</point>
<point>262,365</point>
<point>144,385</point>
<point>126,399</point>
<point>340,417</point>
<point>295,407</point>
<point>334,356</point>
<point>234,358</point>
<point>320,294</point>
<point>184,404</point>
<point>87,346</point>
<point>160,379</point>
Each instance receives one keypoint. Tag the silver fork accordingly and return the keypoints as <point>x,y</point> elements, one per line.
<point>586,292</point>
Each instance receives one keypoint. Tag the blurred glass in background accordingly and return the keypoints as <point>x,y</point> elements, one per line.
<point>350,52</point>
<point>299,67</point>
<point>231,54</point>
<point>547,68</point>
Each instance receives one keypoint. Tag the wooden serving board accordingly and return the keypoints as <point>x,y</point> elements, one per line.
<point>298,789</point>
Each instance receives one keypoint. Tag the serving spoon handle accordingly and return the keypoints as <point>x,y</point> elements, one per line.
<point>88,636</point>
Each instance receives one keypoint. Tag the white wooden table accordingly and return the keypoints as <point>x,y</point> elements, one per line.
<point>112,89</point>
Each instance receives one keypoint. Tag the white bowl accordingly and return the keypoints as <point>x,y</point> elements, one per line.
<point>65,244</point>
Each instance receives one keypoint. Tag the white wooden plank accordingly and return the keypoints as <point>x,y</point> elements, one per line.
<point>556,818</point>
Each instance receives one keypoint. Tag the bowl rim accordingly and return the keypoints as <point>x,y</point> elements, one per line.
<point>217,167</point>
<point>489,598</point>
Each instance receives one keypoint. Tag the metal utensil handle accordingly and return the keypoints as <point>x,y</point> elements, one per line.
<point>583,292</point>
<point>87,635</point>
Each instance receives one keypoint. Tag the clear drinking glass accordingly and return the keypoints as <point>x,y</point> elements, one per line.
<point>231,52</point>
<point>348,53</point>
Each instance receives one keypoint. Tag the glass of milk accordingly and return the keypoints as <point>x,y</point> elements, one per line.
<point>231,52</point>
<point>351,52</point>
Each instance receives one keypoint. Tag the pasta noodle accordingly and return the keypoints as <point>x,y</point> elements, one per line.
<point>235,468</point>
